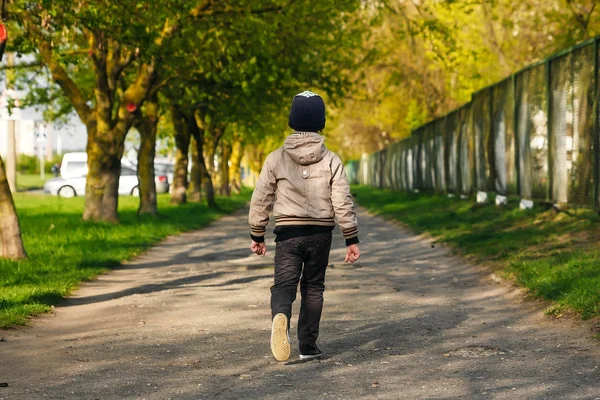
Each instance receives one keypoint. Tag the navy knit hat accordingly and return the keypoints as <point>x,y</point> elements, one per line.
<point>307,113</point>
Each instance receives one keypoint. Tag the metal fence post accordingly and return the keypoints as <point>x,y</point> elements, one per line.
<point>550,137</point>
<point>517,165</point>
<point>381,168</point>
<point>596,126</point>
<point>491,146</point>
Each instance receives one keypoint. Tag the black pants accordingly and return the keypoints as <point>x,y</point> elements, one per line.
<point>291,255</point>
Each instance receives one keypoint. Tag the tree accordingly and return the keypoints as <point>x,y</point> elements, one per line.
<point>106,61</point>
<point>147,125</point>
<point>182,136</point>
<point>253,72</point>
<point>86,49</point>
<point>11,241</point>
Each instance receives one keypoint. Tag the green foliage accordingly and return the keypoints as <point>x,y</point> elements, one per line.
<point>555,256</point>
<point>64,251</point>
<point>237,62</point>
<point>78,35</point>
<point>425,58</point>
<point>247,69</point>
<point>31,164</point>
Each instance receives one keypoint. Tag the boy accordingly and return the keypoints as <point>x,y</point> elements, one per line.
<point>308,184</point>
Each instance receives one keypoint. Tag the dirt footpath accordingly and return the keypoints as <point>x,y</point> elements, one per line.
<point>191,320</point>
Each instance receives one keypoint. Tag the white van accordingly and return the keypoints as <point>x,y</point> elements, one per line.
<point>74,165</point>
<point>73,173</point>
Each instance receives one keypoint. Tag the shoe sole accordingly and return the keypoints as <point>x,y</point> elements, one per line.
<point>310,357</point>
<point>280,339</point>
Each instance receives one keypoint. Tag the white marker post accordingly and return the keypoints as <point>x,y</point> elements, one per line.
<point>501,200</point>
<point>526,204</point>
<point>41,144</point>
<point>482,197</point>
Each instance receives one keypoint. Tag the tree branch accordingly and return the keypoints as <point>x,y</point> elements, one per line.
<point>589,16</point>
<point>135,94</point>
<point>579,17</point>
<point>22,66</point>
<point>204,10</point>
<point>493,38</point>
<point>62,78</point>
<point>123,62</point>
<point>102,91</point>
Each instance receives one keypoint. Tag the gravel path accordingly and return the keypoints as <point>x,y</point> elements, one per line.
<point>190,320</point>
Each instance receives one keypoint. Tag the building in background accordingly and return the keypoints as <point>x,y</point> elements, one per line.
<point>33,133</point>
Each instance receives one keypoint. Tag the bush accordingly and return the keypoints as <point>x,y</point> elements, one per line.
<point>28,164</point>
<point>31,164</point>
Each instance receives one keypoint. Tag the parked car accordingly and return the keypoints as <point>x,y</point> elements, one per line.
<point>73,171</point>
<point>75,186</point>
<point>161,179</point>
<point>161,176</point>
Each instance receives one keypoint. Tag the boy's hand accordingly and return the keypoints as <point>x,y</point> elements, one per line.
<point>259,248</point>
<point>352,253</point>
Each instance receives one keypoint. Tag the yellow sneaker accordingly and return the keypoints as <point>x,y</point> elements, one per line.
<point>280,338</point>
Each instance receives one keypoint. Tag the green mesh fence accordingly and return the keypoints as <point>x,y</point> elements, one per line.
<point>439,171</point>
<point>596,140</point>
<point>571,127</point>
<point>535,135</point>
<point>503,139</point>
<point>532,132</point>
<point>481,133</point>
<point>352,170</point>
<point>465,151</point>
<point>449,155</point>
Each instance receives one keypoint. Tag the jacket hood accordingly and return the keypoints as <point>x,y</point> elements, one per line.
<point>305,148</point>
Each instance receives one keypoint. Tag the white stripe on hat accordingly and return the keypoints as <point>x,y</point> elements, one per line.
<point>307,93</point>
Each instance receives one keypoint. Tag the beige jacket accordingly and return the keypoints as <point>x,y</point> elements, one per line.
<point>309,187</point>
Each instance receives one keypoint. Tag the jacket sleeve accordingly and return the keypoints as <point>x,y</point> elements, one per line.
<point>343,204</point>
<point>262,199</point>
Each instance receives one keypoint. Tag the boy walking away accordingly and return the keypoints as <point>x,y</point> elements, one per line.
<point>310,190</point>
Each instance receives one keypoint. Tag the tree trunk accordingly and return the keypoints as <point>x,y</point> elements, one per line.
<point>213,133</point>
<point>107,128</point>
<point>104,150</point>
<point>210,149</point>
<point>225,189</point>
<point>11,152</point>
<point>196,126</point>
<point>235,176</point>
<point>147,187</point>
<point>196,174</point>
<point>11,242</point>
<point>207,183</point>
<point>182,142</point>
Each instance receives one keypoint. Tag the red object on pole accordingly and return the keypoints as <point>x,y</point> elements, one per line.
<point>3,33</point>
<point>131,107</point>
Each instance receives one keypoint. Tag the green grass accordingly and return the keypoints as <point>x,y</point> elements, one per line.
<point>554,255</point>
<point>63,251</point>
<point>30,181</point>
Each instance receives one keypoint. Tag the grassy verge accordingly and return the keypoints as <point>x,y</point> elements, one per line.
<point>554,255</point>
<point>30,181</point>
<point>63,251</point>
